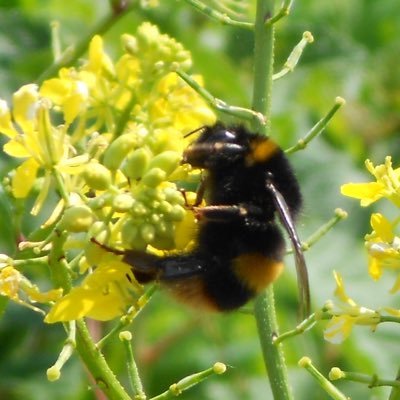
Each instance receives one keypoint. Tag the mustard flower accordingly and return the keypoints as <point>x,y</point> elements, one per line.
<point>383,247</point>
<point>116,160</point>
<point>103,295</point>
<point>387,184</point>
<point>346,314</point>
<point>33,138</point>
<point>19,289</point>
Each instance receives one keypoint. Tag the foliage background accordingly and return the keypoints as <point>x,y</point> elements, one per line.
<point>355,55</point>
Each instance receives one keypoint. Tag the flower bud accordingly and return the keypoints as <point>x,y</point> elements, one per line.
<point>174,196</point>
<point>118,150</point>
<point>53,373</point>
<point>123,202</point>
<point>147,232</point>
<point>130,235</point>
<point>77,219</point>
<point>154,177</point>
<point>97,176</point>
<point>136,163</point>
<point>165,207</point>
<point>168,161</point>
<point>219,368</point>
<point>139,209</point>
<point>177,213</point>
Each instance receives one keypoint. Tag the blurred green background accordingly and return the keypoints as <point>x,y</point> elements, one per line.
<point>355,55</point>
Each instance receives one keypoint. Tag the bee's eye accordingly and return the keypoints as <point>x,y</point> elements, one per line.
<point>218,136</point>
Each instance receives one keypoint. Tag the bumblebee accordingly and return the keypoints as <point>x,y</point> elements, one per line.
<point>249,185</point>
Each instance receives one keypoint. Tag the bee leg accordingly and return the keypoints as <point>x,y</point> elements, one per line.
<point>201,189</point>
<point>164,268</point>
<point>199,194</point>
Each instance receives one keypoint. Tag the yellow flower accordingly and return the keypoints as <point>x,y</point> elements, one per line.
<point>178,105</point>
<point>346,314</point>
<point>67,92</point>
<point>13,284</point>
<point>41,144</point>
<point>383,248</point>
<point>115,159</point>
<point>103,295</point>
<point>387,184</point>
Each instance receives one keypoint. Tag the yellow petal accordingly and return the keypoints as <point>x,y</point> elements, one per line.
<point>10,280</point>
<point>382,227</point>
<point>56,90</point>
<point>392,311</point>
<point>24,178</point>
<point>103,295</point>
<point>338,328</point>
<point>98,60</point>
<point>374,268</point>
<point>25,102</point>
<point>6,126</point>
<point>72,106</point>
<point>366,192</point>
<point>54,215</point>
<point>185,232</point>
<point>76,304</point>
<point>396,286</point>
<point>42,297</point>
<point>15,148</point>
<point>340,291</point>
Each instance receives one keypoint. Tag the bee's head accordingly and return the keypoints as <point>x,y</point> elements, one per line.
<point>217,146</point>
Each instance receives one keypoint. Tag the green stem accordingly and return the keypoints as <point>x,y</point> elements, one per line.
<point>395,393</point>
<point>263,63</point>
<point>128,318</point>
<point>177,388</point>
<point>329,388</point>
<point>324,229</point>
<point>133,372</point>
<point>283,12</point>
<point>220,105</point>
<point>264,308</point>
<point>218,16</point>
<point>71,54</point>
<point>294,56</point>
<point>97,365</point>
<point>59,270</point>
<point>85,346</point>
<point>318,127</point>
<point>371,380</point>
<point>302,327</point>
<point>274,358</point>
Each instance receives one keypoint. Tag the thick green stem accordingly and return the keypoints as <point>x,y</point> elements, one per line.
<point>273,355</point>
<point>263,62</point>
<point>97,365</point>
<point>265,306</point>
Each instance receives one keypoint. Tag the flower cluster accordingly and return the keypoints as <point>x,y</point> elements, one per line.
<point>107,137</point>
<point>383,247</point>
<point>345,314</point>
<point>383,244</point>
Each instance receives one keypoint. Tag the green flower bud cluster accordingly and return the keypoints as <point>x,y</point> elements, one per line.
<point>156,204</point>
<point>159,54</point>
<point>150,205</point>
<point>152,217</point>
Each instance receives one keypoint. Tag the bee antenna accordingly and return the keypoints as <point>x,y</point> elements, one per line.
<point>194,131</point>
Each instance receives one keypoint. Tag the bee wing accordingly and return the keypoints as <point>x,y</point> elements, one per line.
<point>301,268</point>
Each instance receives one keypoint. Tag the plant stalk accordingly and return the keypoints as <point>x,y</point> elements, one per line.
<point>264,308</point>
